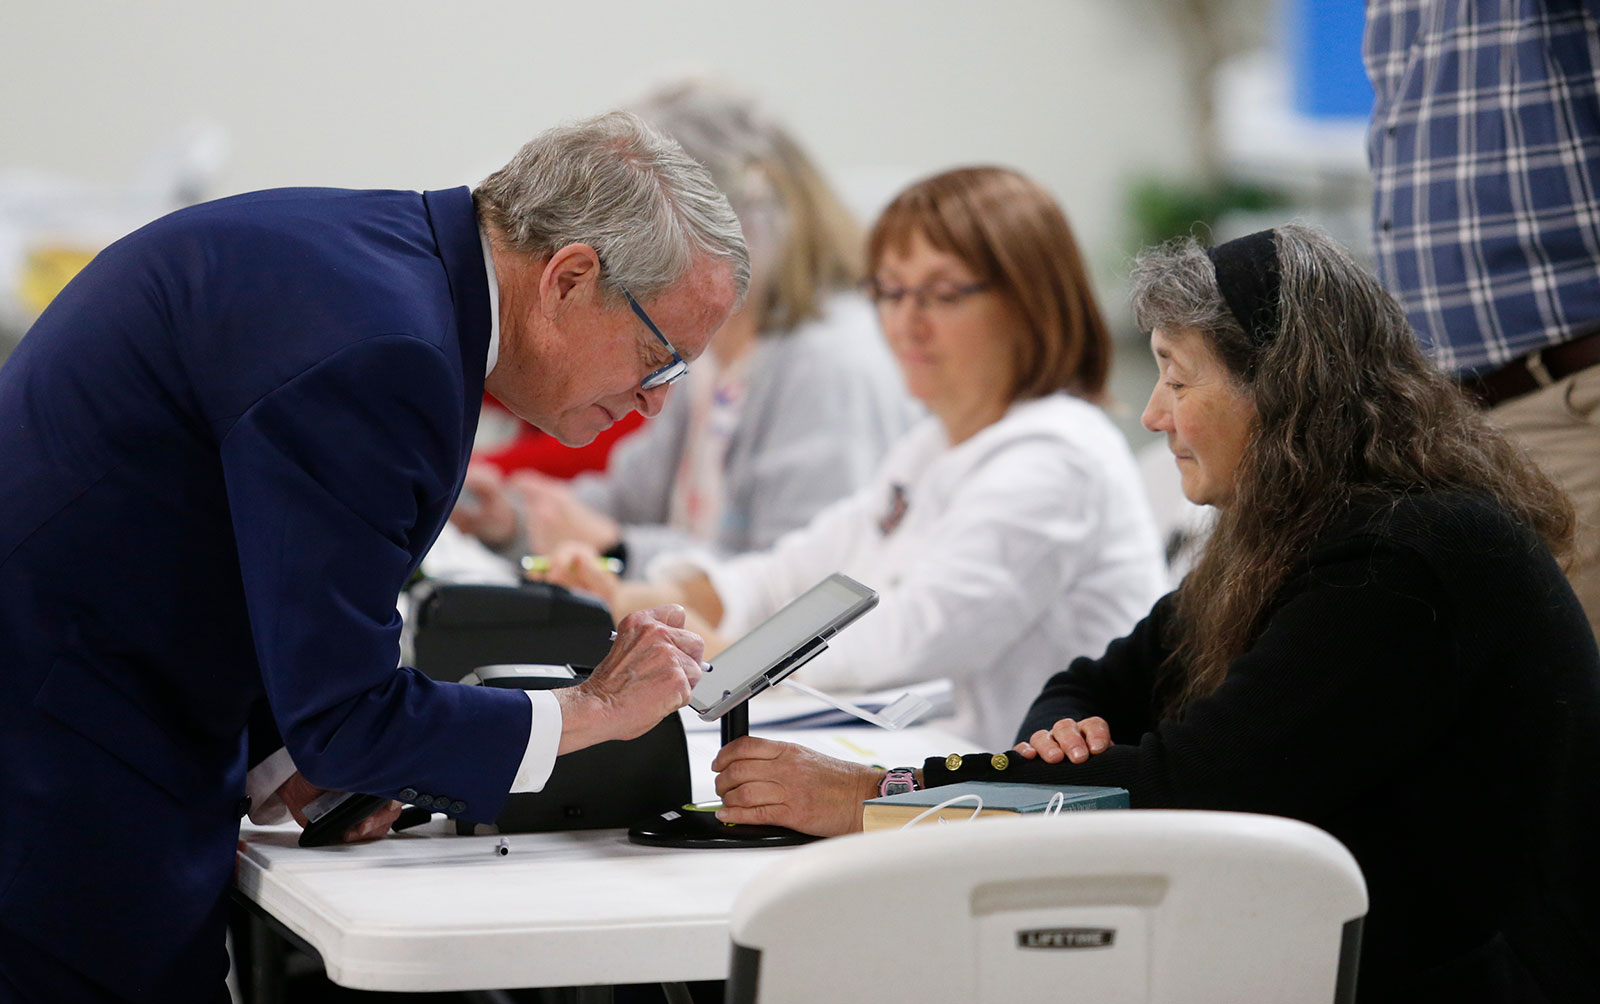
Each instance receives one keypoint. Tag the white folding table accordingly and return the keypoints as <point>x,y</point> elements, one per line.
<point>428,910</point>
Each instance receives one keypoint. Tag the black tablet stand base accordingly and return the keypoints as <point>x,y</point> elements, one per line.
<point>697,825</point>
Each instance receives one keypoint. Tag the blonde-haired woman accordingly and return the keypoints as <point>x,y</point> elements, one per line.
<point>791,407</point>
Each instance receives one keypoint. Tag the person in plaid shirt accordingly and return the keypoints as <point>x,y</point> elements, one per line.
<point>1485,151</point>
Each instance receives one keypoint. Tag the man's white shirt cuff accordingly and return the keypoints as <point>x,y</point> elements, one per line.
<point>262,782</point>
<point>544,738</point>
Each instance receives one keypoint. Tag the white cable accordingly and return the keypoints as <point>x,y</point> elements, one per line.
<point>905,709</point>
<point>1051,808</point>
<point>970,796</point>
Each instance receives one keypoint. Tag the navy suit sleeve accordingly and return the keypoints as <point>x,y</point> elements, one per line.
<point>263,732</point>
<point>329,477</point>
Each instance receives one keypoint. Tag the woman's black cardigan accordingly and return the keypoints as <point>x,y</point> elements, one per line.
<point>1427,689</point>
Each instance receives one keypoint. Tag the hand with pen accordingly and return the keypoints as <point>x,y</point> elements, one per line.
<point>649,673</point>
<point>580,567</point>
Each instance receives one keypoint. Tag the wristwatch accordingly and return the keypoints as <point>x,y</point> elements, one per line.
<point>898,781</point>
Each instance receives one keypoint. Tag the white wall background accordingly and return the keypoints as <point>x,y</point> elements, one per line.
<point>1083,95</point>
<point>409,94</point>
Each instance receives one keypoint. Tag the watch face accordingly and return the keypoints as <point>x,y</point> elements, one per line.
<point>898,782</point>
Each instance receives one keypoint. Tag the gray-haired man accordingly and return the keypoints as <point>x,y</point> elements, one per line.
<point>263,407</point>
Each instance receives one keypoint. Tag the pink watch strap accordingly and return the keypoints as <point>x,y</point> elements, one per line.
<point>898,781</point>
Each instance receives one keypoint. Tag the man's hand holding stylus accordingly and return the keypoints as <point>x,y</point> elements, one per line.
<point>649,673</point>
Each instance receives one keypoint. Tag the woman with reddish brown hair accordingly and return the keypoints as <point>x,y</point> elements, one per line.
<point>1008,230</point>
<point>1008,531</point>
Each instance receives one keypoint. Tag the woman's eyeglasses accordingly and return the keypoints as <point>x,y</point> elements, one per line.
<point>930,296</point>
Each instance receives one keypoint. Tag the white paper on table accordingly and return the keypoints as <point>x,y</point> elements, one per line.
<point>788,708</point>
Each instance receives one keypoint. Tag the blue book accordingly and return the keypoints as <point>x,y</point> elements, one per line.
<point>1000,798</point>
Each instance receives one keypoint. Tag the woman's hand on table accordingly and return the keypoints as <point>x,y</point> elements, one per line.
<point>781,784</point>
<point>1068,739</point>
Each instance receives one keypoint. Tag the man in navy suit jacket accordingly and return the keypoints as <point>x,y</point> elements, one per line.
<point>224,449</point>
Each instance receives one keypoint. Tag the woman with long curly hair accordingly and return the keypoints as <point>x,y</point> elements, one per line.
<point>1378,639</point>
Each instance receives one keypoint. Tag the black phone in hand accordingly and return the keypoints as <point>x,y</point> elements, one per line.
<point>331,815</point>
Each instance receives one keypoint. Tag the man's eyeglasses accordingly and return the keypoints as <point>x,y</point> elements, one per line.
<point>928,296</point>
<point>672,370</point>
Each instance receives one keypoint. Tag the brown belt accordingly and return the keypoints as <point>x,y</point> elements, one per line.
<point>1534,370</point>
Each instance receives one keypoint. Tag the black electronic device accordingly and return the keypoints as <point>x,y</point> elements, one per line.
<point>330,816</point>
<point>606,785</point>
<point>765,655</point>
<point>457,627</point>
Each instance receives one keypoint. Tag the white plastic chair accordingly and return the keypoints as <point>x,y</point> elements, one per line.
<point>1111,907</point>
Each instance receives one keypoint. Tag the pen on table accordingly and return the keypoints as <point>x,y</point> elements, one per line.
<point>539,564</point>
<point>503,847</point>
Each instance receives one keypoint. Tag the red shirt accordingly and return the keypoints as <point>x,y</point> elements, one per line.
<point>542,452</point>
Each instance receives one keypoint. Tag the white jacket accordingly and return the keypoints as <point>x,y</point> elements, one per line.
<point>1019,549</point>
<point>824,404</point>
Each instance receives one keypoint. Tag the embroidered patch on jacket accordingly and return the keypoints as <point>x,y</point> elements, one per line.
<point>897,510</point>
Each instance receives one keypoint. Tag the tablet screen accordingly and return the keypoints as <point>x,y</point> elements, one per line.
<point>779,644</point>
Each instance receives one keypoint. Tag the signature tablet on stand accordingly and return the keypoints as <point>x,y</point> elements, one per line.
<point>769,652</point>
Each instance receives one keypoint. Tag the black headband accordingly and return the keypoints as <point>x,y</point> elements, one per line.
<point>1247,278</point>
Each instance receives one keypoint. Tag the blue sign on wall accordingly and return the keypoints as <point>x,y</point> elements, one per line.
<point>1325,52</point>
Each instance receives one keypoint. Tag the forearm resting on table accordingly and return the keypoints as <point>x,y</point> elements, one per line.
<point>783,784</point>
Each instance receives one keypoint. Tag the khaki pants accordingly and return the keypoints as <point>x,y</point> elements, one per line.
<point>1559,426</point>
